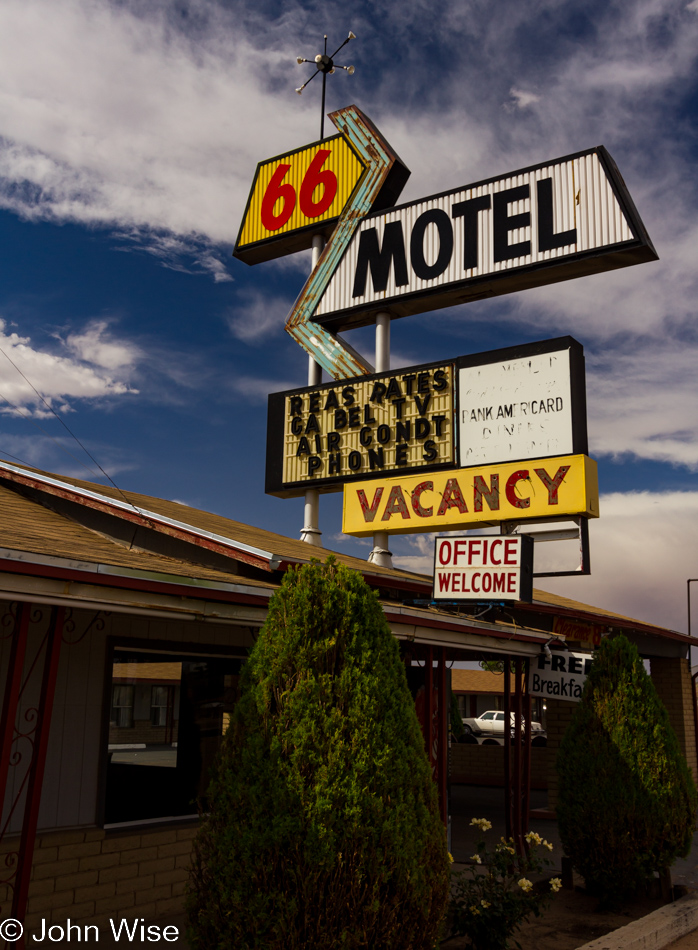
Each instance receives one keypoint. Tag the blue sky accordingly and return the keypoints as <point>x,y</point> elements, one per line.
<point>129,136</point>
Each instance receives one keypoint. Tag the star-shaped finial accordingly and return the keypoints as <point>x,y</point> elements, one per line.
<point>324,64</point>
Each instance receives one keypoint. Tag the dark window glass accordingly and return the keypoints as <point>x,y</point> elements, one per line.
<point>177,709</point>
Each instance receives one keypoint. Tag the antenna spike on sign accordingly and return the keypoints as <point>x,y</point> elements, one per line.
<point>381,182</point>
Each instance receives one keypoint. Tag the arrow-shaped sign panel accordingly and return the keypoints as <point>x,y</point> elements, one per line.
<point>566,218</point>
<point>382,181</point>
<point>295,196</point>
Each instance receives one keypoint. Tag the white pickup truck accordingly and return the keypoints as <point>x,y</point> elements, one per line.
<point>488,728</point>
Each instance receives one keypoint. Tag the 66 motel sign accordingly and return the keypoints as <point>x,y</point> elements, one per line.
<point>498,568</point>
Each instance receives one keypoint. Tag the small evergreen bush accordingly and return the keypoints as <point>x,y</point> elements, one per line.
<point>627,800</point>
<point>324,829</point>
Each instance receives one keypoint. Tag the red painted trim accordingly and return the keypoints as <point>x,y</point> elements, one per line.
<point>191,537</point>
<point>508,805</point>
<point>13,685</point>
<point>38,765</point>
<point>442,737</point>
<point>429,706</point>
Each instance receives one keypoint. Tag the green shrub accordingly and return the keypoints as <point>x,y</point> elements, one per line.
<point>627,800</point>
<point>324,830</point>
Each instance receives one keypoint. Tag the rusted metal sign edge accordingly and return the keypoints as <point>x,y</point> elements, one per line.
<point>384,176</point>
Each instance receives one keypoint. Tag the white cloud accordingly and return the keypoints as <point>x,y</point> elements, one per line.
<point>643,548</point>
<point>111,114</point>
<point>523,99</point>
<point>257,316</point>
<point>120,114</point>
<point>643,401</point>
<point>95,345</point>
<point>59,378</point>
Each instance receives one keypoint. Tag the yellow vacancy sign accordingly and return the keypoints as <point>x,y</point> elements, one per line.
<point>295,192</point>
<point>470,497</point>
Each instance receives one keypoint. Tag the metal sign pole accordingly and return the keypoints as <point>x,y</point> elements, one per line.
<point>310,532</point>
<point>380,554</point>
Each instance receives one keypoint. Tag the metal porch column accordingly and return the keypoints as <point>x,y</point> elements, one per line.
<point>37,766</point>
<point>13,688</point>
<point>516,792</point>
<point>508,804</point>
<point>442,738</point>
<point>429,706</point>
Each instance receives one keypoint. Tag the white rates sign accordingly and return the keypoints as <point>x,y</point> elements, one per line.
<point>483,568</point>
<point>561,675</point>
<point>519,408</point>
<point>566,218</point>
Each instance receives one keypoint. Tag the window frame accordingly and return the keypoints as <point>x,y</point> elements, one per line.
<point>179,648</point>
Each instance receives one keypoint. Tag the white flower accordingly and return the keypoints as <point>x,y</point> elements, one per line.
<point>555,884</point>
<point>482,823</point>
<point>546,844</point>
<point>533,838</point>
<point>525,884</point>
<point>476,858</point>
<point>484,904</point>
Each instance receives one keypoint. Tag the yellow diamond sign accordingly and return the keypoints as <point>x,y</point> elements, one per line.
<point>295,196</point>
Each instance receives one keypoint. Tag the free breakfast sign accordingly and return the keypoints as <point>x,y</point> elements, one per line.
<point>561,675</point>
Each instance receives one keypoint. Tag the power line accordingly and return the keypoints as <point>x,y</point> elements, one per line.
<point>68,430</point>
<point>47,434</point>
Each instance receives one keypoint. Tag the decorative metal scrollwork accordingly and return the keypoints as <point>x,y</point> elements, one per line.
<point>8,621</point>
<point>97,623</point>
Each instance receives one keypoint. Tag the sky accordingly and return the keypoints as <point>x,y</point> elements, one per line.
<point>129,137</point>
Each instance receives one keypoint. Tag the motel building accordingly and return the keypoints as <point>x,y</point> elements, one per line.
<point>124,623</point>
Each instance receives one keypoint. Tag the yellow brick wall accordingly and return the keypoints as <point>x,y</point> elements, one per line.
<point>90,875</point>
<point>484,765</point>
<point>672,679</point>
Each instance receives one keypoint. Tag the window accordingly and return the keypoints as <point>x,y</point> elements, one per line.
<point>161,703</point>
<point>487,715</point>
<point>177,708</point>
<point>122,707</point>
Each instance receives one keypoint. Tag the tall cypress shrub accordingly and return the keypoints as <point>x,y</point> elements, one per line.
<point>324,830</point>
<point>627,800</point>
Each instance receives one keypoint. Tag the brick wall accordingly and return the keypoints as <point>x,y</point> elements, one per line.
<point>672,679</point>
<point>91,875</point>
<point>484,765</point>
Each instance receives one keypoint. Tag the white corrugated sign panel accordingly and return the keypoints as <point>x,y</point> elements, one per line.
<point>584,205</point>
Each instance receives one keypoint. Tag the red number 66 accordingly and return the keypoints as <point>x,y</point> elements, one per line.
<point>278,191</point>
